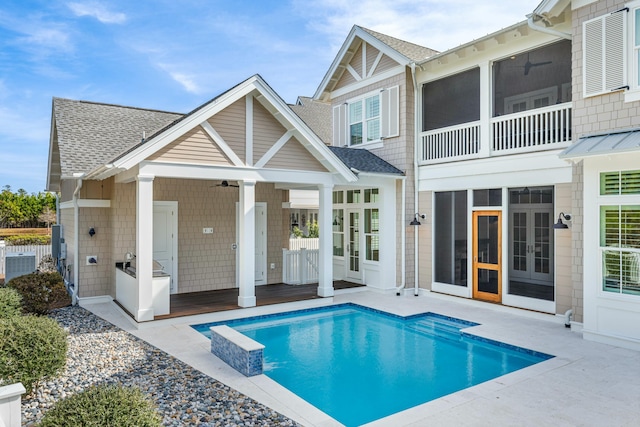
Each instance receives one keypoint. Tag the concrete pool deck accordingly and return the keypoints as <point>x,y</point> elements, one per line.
<point>587,383</point>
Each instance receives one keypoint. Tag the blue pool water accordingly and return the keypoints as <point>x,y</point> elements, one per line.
<point>358,364</point>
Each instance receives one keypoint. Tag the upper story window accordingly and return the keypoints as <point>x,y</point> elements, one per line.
<point>368,119</point>
<point>611,51</point>
<point>364,120</point>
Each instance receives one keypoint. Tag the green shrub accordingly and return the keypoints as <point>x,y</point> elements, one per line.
<point>28,239</point>
<point>103,406</point>
<point>32,349</point>
<point>41,292</point>
<point>10,303</point>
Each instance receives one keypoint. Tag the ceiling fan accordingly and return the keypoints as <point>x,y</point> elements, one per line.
<point>529,65</point>
<point>226,184</point>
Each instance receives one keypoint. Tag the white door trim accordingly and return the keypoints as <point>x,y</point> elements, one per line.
<point>174,226</point>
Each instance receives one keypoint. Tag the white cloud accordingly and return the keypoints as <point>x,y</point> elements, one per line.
<point>187,81</point>
<point>98,11</point>
<point>436,24</point>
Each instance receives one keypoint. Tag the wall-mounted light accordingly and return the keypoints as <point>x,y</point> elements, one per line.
<point>416,219</point>
<point>561,225</point>
<point>92,232</point>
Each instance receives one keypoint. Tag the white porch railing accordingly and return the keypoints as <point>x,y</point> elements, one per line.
<point>308,243</point>
<point>539,128</point>
<point>533,130</point>
<point>453,141</point>
<point>40,251</point>
<point>300,267</point>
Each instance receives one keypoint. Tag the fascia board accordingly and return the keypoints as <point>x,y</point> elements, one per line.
<point>171,134</point>
<point>358,32</point>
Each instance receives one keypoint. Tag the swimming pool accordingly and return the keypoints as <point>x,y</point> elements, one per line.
<point>359,364</point>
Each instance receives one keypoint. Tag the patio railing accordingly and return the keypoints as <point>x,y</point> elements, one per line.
<point>296,244</point>
<point>300,267</point>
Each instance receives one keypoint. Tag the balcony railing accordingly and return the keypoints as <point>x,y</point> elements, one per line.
<point>533,130</point>
<point>460,141</point>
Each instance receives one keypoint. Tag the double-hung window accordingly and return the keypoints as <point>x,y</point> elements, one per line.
<point>620,231</point>
<point>364,120</point>
<point>367,119</point>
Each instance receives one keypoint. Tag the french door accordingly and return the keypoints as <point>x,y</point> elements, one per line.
<point>531,242</point>
<point>353,245</point>
<point>487,255</point>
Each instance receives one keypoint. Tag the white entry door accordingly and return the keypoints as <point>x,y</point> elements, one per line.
<point>165,239</point>
<point>260,246</point>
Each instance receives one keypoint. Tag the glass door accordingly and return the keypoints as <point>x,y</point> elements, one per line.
<point>487,255</point>
<point>353,245</point>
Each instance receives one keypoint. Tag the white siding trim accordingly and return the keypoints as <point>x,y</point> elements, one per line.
<point>353,72</point>
<point>249,129</point>
<point>274,149</point>
<point>221,143</point>
<point>392,72</point>
<point>364,59</point>
<point>374,65</point>
<point>87,203</point>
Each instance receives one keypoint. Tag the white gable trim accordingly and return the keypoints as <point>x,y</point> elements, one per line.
<point>367,38</point>
<point>249,129</point>
<point>375,64</point>
<point>222,144</point>
<point>300,130</point>
<point>274,149</point>
<point>364,83</point>
<point>353,72</point>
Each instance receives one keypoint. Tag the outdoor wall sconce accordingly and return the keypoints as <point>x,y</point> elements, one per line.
<point>416,220</point>
<point>561,225</point>
<point>92,232</point>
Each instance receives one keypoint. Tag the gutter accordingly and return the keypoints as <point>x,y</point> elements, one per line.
<point>532,24</point>
<point>76,237</point>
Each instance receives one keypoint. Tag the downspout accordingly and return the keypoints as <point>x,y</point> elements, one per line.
<point>403,237</point>
<point>76,237</point>
<point>536,27</point>
<point>415,175</point>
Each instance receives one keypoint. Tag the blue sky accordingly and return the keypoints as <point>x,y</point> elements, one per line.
<point>174,55</point>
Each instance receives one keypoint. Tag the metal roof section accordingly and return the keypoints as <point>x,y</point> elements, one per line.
<point>604,144</point>
<point>363,161</point>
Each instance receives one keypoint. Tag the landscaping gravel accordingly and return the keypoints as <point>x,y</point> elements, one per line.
<point>100,353</point>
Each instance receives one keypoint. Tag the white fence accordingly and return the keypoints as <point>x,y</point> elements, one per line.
<point>300,267</point>
<point>40,251</point>
<point>297,244</point>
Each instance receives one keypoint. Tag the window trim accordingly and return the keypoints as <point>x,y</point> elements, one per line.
<point>363,119</point>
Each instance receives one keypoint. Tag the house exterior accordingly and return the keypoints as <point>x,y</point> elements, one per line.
<point>148,184</point>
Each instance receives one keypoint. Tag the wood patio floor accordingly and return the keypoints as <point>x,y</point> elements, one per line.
<point>189,304</point>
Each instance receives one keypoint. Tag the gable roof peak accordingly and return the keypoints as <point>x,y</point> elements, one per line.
<point>410,50</point>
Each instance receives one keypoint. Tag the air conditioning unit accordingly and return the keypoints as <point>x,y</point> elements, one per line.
<point>19,264</point>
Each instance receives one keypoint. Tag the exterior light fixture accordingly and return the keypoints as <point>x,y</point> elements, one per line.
<point>416,219</point>
<point>92,232</point>
<point>561,225</point>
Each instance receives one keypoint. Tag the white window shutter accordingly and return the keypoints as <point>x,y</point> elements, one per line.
<point>390,113</point>
<point>340,125</point>
<point>604,52</point>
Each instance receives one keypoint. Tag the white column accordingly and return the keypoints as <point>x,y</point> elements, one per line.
<point>144,247</point>
<point>247,244</point>
<point>485,110</point>
<point>325,279</point>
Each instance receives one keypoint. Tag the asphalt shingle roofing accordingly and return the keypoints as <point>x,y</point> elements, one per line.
<point>317,115</point>
<point>412,51</point>
<point>91,134</point>
<point>364,161</point>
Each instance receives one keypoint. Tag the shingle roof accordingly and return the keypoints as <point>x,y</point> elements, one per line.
<point>412,51</point>
<point>317,115</point>
<point>364,161</point>
<point>90,134</point>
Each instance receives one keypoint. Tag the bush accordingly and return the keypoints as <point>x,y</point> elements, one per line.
<point>28,239</point>
<point>41,292</point>
<point>10,303</point>
<point>103,406</point>
<point>32,349</point>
